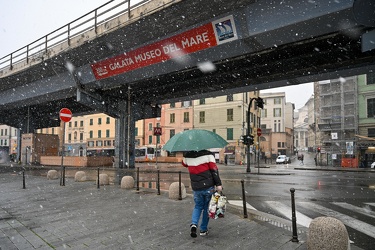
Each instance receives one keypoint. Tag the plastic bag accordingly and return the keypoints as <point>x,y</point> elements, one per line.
<point>217,205</point>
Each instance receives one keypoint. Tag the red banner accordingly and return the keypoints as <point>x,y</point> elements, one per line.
<point>179,45</point>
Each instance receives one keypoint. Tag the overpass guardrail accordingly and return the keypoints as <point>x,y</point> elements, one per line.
<point>36,50</point>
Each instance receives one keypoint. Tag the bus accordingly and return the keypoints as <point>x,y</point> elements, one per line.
<point>144,153</point>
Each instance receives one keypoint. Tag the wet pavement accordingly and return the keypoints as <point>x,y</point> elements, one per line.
<point>79,215</point>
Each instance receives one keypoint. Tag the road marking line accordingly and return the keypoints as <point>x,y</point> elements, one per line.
<point>302,219</point>
<point>240,204</point>
<point>370,203</point>
<point>361,210</point>
<point>358,225</point>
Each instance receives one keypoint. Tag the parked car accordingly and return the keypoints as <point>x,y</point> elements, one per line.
<point>282,159</point>
<point>373,165</point>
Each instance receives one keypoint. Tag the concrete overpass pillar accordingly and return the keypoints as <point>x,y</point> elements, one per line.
<point>125,135</point>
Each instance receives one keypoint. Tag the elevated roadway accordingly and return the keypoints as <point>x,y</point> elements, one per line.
<point>173,50</point>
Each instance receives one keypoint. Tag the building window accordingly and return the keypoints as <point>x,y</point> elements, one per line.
<point>186,104</point>
<point>202,101</point>
<point>99,121</point>
<point>69,137</point>
<point>172,118</point>
<point>99,134</point>
<point>108,120</point>
<point>107,133</point>
<point>277,100</point>
<point>202,118</point>
<point>99,143</point>
<point>370,78</point>
<point>70,124</point>
<point>136,131</point>
<point>81,136</point>
<point>158,139</point>
<point>229,133</point>
<point>91,121</point>
<point>107,143</point>
<point>150,139</point>
<point>230,98</point>
<point>172,132</point>
<point>186,116</point>
<point>277,112</point>
<point>91,134</point>
<point>81,123</point>
<point>229,115</point>
<point>371,108</point>
<point>90,143</point>
<point>172,105</point>
<point>264,113</point>
<point>75,135</point>
<point>371,132</point>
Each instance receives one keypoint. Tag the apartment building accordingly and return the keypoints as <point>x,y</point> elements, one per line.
<point>277,125</point>
<point>365,142</point>
<point>337,119</point>
<point>227,116</point>
<point>8,143</point>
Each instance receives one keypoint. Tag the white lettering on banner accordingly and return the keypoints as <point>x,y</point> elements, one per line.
<point>201,38</point>
<point>170,48</point>
<point>148,55</point>
<point>121,64</point>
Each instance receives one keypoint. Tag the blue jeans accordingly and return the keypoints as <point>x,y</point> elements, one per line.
<point>202,200</point>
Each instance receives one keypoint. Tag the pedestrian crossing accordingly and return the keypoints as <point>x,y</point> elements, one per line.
<point>351,221</point>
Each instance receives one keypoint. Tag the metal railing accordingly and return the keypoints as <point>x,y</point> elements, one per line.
<point>64,34</point>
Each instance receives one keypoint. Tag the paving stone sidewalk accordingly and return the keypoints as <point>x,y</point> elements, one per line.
<point>78,215</point>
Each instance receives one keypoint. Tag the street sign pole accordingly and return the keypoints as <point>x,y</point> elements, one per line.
<point>65,116</point>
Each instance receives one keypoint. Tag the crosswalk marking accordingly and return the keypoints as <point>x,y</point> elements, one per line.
<point>302,219</point>
<point>240,204</point>
<point>370,203</point>
<point>361,210</point>
<point>358,225</point>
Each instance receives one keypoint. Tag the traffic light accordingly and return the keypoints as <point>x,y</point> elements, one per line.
<point>260,102</point>
<point>318,149</point>
<point>242,139</point>
<point>250,140</point>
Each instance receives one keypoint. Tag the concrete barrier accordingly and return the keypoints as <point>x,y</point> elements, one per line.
<point>174,191</point>
<point>52,175</point>
<point>80,176</point>
<point>327,233</point>
<point>127,182</point>
<point>103,179</point>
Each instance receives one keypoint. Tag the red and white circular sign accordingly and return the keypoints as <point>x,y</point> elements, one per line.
<point>65,115</point>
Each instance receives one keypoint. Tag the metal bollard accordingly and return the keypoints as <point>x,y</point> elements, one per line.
<point>23,179</point>
<point>158,182</point>
<point>294,219</point>
<point>137,178</point>
<point>64,176</point>
<point>98,184</point>
<point>179,186</point>
<point>244,199</point>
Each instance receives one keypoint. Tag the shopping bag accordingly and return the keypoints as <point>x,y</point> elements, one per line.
<point>217,205</point>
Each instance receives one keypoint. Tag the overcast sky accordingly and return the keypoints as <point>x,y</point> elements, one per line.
<point>24,21</point>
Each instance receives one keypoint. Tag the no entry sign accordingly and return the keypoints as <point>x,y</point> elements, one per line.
<point>65,115</point>
<point>259,132</point>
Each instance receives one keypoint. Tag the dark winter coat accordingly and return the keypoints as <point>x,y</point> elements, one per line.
<point>202,168</point>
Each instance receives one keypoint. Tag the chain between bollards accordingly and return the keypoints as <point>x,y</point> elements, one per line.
<point>244,199</point>
<point>294,219</point>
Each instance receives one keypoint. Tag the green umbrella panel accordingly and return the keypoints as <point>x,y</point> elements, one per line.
<point>194,140</point>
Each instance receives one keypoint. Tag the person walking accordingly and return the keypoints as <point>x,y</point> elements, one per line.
<point>302,159</point>
<point>204,178</point>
